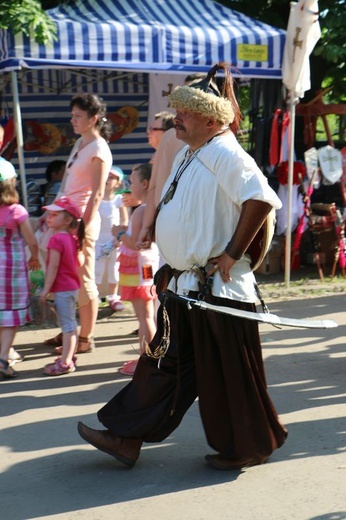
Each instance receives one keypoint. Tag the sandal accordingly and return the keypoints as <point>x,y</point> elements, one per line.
<point>74,360</point>
<point>58,368</point>
<point>6,372</point>
<point>128,368</point>
<point>116,305</point>
<point>54,342</point>
<point>14,358</point>
<point>90,346</point>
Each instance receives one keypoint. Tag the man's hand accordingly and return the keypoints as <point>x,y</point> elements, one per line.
<point>222,263</point>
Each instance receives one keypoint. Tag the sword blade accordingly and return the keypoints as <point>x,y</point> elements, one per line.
<point>261,317</point>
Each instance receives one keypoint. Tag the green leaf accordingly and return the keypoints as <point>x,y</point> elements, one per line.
<point>28,17</point>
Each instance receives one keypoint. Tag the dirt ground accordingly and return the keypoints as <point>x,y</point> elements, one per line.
<point>48,471</point>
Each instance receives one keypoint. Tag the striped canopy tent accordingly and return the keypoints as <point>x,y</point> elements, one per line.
<point>150,35</point>
<point>158,36</point>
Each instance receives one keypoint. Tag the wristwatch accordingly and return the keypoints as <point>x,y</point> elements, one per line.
<point>120,234</point>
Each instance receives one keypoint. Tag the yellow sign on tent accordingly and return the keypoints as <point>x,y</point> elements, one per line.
<point>250,52</point>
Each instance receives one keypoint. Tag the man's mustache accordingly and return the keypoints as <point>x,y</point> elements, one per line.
<point>177,126</point>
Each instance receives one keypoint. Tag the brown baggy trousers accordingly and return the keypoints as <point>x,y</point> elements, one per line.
<point>215,357</point>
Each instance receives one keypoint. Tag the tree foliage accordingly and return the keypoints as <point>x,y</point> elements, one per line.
<point>27,16</point>
<point>328,60</point>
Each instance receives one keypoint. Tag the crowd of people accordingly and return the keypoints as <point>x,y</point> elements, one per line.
<point>186,237</point>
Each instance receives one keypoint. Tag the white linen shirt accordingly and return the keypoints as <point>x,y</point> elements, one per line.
<point>200,219</point>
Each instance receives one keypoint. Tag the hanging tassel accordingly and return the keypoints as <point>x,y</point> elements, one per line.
<point>163,346</point>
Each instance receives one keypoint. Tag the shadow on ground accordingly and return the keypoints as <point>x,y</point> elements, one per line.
<point>305,371</point>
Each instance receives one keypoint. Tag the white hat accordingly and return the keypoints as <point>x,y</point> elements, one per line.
<point>117,172</point>
<point>6,170</point>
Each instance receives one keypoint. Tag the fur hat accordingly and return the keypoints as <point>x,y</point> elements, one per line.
<point>205,98</point>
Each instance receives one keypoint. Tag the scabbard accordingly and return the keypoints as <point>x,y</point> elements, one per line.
<point>261,317</point>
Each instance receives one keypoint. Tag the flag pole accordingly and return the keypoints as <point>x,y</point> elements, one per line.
<point>303,32</point>
<point>19,136</point>
<point>293,102</point>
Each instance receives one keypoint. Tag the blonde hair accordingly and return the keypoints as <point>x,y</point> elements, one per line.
<point>8,193</point>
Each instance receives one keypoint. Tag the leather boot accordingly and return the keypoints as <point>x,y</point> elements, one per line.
<point>232,463</point>
<point>124,450</point>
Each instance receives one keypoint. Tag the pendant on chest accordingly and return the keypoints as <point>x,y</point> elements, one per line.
<point>170,193</point>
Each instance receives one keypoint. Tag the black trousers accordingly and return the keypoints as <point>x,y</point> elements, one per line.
<point>215,357</point>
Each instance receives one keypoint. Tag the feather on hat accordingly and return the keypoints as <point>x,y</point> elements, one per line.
<point>205,98</point>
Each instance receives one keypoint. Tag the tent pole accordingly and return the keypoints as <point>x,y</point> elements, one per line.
<point>19,136</point>
<point>290,188</point>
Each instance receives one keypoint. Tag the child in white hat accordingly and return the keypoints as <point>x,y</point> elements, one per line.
<point>112,213</point>
<point>15,231</point>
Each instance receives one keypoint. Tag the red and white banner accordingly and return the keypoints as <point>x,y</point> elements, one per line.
<point>303,32</point>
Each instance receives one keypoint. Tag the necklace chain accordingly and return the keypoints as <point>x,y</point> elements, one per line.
<point>188,158</point>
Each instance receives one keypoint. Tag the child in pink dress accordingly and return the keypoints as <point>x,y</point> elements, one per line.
<point>15,228</point>
<point>62,279</point>
<point>136,276</point>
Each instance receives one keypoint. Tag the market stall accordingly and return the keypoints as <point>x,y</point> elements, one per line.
<point>114,48</point>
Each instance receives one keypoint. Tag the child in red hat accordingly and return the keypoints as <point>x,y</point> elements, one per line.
<point>63,260</point>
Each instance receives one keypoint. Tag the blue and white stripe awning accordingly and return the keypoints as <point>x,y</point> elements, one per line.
<point>150,35</point>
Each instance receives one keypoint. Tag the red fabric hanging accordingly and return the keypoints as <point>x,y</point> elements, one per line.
<point>275,138</point>
<point>282,172</point>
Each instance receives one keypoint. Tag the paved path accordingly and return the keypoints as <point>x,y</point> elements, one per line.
<point>47,471</point>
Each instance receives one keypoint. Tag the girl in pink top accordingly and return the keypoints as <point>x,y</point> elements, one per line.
<point>15,228</point>
<point>84,183</point>
<point>62,277</point>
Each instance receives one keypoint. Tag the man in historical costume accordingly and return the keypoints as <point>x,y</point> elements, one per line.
<point>214,203</point>
<point>166,151</point>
